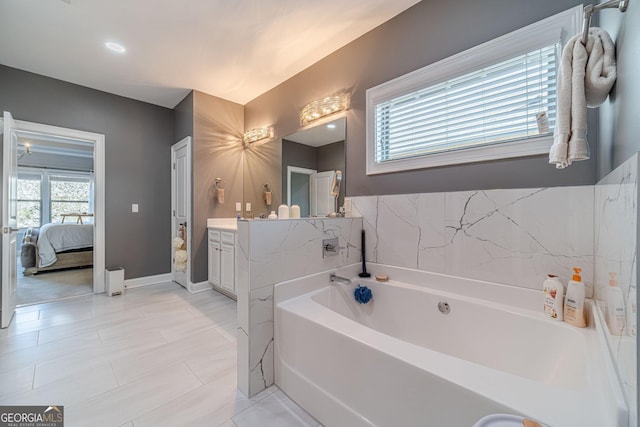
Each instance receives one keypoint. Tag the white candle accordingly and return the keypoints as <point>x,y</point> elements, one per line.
<point>283,212</point>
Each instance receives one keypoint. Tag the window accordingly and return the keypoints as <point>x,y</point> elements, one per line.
<point>68,194</point>
<point>45,194</point>
<point>497,100</point>
<point>29,213</point>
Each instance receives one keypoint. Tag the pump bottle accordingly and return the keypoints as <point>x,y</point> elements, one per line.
<point>574,302</point>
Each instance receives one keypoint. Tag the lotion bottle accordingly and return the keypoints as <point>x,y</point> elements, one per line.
<point>574,302</point>
<point>553,292</point>
<point>615,307</point>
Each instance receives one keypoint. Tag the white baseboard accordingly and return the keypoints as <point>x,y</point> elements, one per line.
<point>199,287</point>
<point>147,280</point>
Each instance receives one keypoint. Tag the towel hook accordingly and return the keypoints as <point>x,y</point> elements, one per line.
<point>590,9</point>
<point>218,185</point>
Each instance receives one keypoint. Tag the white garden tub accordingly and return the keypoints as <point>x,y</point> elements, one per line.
<point>399,361</point>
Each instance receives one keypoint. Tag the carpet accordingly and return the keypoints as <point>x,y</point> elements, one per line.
<point>53,285</point>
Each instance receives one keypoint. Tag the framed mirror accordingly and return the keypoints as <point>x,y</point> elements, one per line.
<point>306,168</point>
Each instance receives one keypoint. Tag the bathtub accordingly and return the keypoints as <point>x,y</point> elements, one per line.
<point>400,361</point>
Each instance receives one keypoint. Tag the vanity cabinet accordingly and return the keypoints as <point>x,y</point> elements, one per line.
<point>222,250</point>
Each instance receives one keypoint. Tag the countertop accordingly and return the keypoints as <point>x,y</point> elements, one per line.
<point>224,223</point>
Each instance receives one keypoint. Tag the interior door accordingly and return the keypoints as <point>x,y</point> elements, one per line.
<point>324,199</point>
<point>180,203</point>
<point>9,222</point>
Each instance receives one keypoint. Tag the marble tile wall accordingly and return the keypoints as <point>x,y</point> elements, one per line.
<point>616,235</point>
<point>514,236</point>
<point>269,252</point>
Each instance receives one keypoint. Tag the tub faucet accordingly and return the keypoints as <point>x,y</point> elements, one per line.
<point>337,279</point>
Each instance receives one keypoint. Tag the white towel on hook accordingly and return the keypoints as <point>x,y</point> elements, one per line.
<point>585,78</point>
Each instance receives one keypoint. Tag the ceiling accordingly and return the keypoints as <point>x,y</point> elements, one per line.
<point>317,136</point>
<point>41,143</point>
<point>233,49</point>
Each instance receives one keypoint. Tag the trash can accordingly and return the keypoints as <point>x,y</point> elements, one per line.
<point>114,281</point>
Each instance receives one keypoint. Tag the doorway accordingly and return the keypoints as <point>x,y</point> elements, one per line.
<point>301,189</point>
<point>55,206</point>
<point>54,174</point>
<point>181,213</point>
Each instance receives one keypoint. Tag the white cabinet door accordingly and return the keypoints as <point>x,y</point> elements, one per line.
<point>214,263</point>
<point>227,268</point>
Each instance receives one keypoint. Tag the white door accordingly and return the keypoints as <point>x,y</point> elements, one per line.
<point>181,205</point>
<point>324,199</point>
<point>9,223</point>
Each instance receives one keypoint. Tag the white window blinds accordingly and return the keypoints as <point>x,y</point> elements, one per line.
<point>496,104</point>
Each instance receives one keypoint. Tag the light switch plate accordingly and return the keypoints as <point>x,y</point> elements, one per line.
<point>134,208</point>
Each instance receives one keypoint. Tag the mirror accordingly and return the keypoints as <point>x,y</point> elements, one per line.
<point>306,168</point>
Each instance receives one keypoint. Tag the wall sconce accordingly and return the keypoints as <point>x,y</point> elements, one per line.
<point>27,151</point>
<point>324,107</point>
<point>258,134</point>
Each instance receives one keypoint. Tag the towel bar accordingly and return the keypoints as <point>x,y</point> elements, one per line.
<point>590,9</point>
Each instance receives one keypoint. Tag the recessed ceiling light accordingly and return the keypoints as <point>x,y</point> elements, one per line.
<point>331,126</point>
<point>115,47</point>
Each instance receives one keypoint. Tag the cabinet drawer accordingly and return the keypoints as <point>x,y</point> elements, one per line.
<point>214,236</point>
<point>228,237</point>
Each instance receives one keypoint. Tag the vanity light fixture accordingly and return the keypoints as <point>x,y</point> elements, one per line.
<point>116,47</point>
<point>258,134</point>
<point>324,107</point>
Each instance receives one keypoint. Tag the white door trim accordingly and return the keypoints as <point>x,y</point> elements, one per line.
<point>186,141</point>
<point>98,141</point>
<point>9,223</point>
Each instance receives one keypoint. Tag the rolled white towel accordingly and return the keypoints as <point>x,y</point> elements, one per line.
<point>585,78</point>
<point>181,256</point>
<point>177,242</point>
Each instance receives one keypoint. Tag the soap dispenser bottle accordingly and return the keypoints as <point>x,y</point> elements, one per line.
<point>574,302</point>
<point>615,307</point>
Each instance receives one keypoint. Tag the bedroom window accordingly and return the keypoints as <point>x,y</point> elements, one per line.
<point>494,101</point>
<point>44,194</point>
<point>69,194</point>
<point>29,212</point>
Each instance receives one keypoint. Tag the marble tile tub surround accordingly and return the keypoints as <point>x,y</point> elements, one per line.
<point>514,236</point>
<point>269,252</point>
<point>616,234</point>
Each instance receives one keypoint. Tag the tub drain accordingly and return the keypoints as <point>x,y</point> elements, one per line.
<point>444,308</point>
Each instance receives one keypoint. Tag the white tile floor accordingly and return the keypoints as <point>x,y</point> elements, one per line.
<point>155,356</point>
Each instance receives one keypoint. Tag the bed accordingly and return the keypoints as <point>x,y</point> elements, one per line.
<point>57,246</point>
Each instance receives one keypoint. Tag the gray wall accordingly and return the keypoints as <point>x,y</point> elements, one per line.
<point>620,114</point>
<point>183,118</point>
<point>299,155</point>
<point>429,31</point>
<point>217,153</point>
<point>263,165</point>
<point>138,137</point>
